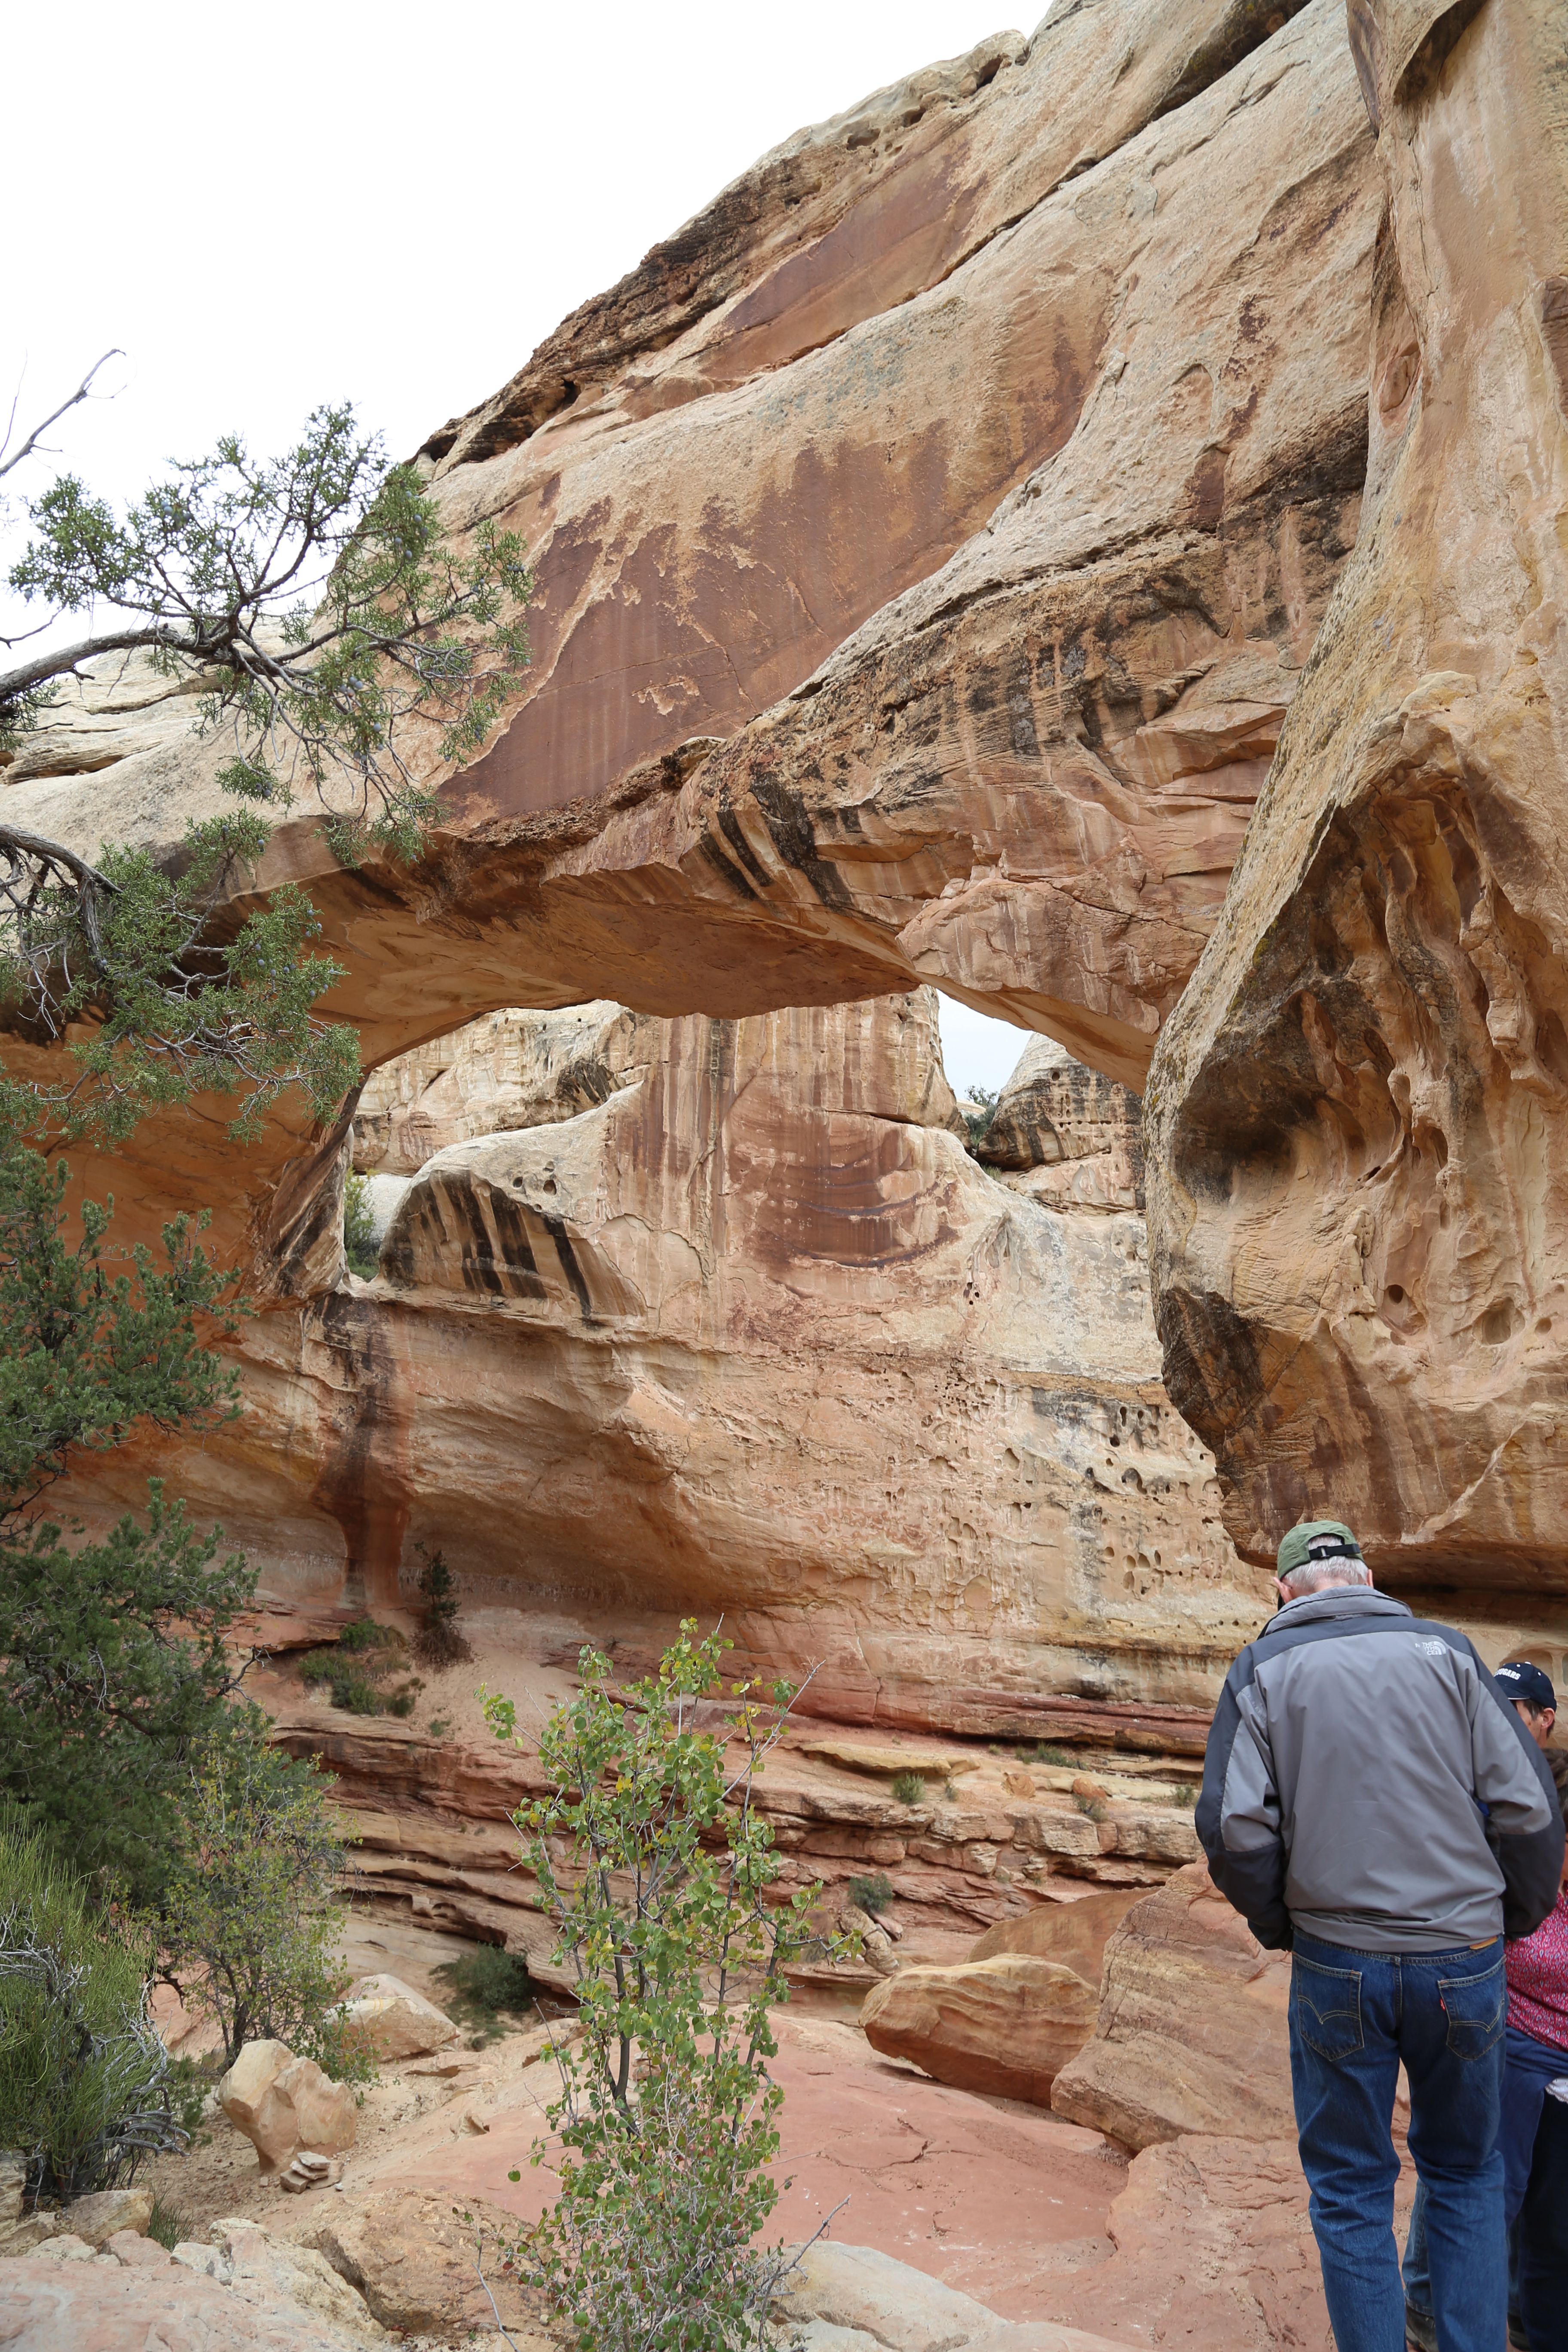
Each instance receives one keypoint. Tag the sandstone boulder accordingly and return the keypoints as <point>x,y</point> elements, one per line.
<point>1006,2024</point>
<point>1193,2032</point>
<point>392,2021</point>
<point>97,2218</point>
<point>876,1944</point>
<point>1074,1934</point>
<point>413,2260</point>
<point>65,2248</point>
<point>282,2104</point>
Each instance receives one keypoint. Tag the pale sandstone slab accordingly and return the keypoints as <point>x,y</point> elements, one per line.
<point>1193,2032</point>
<point>87,2306</point>
<point>1213,2248</point>
<point>1073,1933</point>
<point>282,2104</point>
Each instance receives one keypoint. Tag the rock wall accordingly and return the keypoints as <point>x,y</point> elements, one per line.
<point>1359,1113</point>
<point>753,1334</point>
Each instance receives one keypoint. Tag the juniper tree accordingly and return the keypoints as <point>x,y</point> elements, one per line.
<point>342,648</point>
<point>113,1662</point>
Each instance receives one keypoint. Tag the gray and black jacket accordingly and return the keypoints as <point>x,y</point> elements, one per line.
<point>1366,1782</point>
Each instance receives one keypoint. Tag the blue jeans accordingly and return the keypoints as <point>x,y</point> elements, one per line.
<point>1544,2235</point>
<point>1354,2017</point>
<point>1529,2067</point>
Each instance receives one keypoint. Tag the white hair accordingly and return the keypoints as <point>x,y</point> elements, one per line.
<point>1318,1575</point>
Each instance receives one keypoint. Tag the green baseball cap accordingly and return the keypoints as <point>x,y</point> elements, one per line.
<point>1312,1540</point>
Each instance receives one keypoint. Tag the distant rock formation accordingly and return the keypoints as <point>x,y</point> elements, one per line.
<point>1069,1137</point>
<point>753,1334</point>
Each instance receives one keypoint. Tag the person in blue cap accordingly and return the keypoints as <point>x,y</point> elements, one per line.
<point>1373,1803</point>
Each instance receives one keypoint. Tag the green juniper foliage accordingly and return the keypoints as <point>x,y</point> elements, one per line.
<point>112,1660</point>
<point>978,1121</point>
<point>83,2075</point>
<point>660,1875</point>
<point>359,1248</point>
<point>485,1984</point>
<point>345,652</point>
<point>438,1642</point>
<point>251,1917</point>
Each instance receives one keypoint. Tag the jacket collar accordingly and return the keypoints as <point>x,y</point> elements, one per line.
<point>1339,1600</point>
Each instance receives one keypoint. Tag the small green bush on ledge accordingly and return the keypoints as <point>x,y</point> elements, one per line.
<point>359,1668</point>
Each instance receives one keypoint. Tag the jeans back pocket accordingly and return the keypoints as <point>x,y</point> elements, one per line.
<point>1325,2008</point>
<point>1477,2010</point>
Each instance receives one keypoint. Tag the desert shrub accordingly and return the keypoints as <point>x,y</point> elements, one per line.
<point>978,1120</point>
<point>438,1642</point>
<point>1045,1752</point>
<point>1186,1794</point>
<point>909,1787</point>
<point>168,2226</point>
<point>252,1917</point>
<point>359,1668</point>
<point>359,1244</point>
<point>485,1984</point>
<point>659,1873</point>
<point>190,2080</point>
<point>872,1895</point>
<point>1095,1807</point>
<point>83,2075</point>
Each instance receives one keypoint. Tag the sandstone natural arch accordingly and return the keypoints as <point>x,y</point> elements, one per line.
<point>933,537</point>
<point>929,537</point>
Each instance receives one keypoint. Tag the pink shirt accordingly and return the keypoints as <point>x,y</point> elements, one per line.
<point>1538,1979</point>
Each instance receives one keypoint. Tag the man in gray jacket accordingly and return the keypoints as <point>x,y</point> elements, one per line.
<point>1372,1804</point>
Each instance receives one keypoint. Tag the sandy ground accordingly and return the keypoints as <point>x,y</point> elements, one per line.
<point>990,2195</point>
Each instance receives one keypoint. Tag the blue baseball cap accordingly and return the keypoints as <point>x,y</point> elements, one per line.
<point>1520,1679</point>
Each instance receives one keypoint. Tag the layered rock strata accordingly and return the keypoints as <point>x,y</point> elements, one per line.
<point>1359,1114</point>
<point>432,1816</point>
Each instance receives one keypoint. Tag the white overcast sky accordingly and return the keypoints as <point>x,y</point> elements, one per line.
<point>267,208</point>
